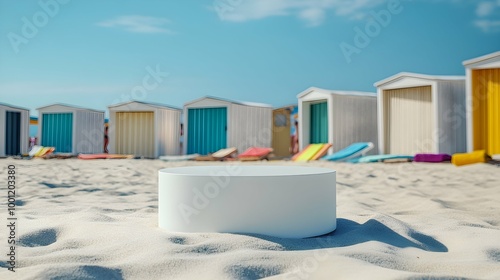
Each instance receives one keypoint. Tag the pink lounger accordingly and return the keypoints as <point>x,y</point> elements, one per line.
<point>432,158</point>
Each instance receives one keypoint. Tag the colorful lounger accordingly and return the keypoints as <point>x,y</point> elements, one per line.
<point>219,155</point>
<point>352,151</point>
<point>432,157</point>
<point>312,152</point>
<point>255,153</point>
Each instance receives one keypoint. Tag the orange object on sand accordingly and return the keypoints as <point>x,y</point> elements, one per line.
<point>103,156</point>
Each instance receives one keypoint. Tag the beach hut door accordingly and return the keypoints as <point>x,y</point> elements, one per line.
<point>13,133</point>
<point>207,131</point>
<point>57,131</point>
<point>281,132</point>
<point>319,123</point>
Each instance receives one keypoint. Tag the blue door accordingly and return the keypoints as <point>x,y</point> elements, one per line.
<point>13,133</point>
<point>319,123</point>
<point>206,130</point>
<point>57,131</point>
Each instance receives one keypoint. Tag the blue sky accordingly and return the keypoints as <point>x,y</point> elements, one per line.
<point>96,53</point>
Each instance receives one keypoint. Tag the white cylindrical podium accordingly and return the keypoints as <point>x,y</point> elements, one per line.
<point>280,201</point>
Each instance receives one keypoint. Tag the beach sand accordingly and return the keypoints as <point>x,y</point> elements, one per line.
<point>98,220</point>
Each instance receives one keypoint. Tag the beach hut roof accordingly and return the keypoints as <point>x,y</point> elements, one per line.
<point>491,60</point>
<point>335,92</point>
<point>229,101</point>
<point>284,107</point>
<point>403,75</point>
<point>152,104</point>
<point>70,107</point>
<point>12,106</point>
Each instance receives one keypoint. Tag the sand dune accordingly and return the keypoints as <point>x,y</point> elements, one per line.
<point>98,220</point>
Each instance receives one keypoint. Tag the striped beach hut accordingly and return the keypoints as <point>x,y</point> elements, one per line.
<point>483,103</point>
<point>212,123</point>
<point>144,129</point>
<point>421,114</point>
<point>14,127</point>
<point>71,129</point>
<point>337,117</point>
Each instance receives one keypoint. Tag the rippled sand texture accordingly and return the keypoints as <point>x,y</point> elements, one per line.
<point>98,220</point>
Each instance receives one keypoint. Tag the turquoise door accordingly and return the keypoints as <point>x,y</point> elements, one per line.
<point>57,131</point>
<point>12,133</point>
<point>206,130</point>
<point>319,123</point>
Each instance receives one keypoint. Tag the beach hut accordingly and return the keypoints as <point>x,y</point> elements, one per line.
<point>212,123</point>
<point>14,125</point>
<point>71,129</point>
<point>483,103</point>
<point>282,130</point>
<point>421,114</point>
<point>144,129</point>
<point>337,117</point>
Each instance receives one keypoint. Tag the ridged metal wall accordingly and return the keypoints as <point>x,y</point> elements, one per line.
<point>249,126</point>
<point>89,132</point>
<point>134,133</point>
<point>409,117</point>
<point>354,120</point>
<point>12,133</point>
<point>57,131</point>
<point>319,123</point>
<point>169,131</point>
<point>451,133</point>
<point>207,130</point>
<point>486,110</point>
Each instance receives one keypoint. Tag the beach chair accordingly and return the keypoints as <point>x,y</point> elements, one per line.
<point>221,154</point>
<point>355,150</point>
<point>179,158</point>
<point>383,158</point>
<point>312,152</point>
<point>255,154</point>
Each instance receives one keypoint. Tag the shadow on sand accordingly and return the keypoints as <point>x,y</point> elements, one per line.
<point>349,233</point>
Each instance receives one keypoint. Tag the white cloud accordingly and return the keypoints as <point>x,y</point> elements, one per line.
<point>488,25</point>
<point>485,8</point>
<point>138,24</point>
<point>313,12</point>
<point>313,16</point>
<point>488,14</point>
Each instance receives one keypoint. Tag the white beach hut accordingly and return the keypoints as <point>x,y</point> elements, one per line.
<point>337,117</point>
<point>144,129</point>
<point>483,103</point>
<point>14,125</point>
<point>212,123</point>
<point>71,129</point>
<point>421,114</point>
